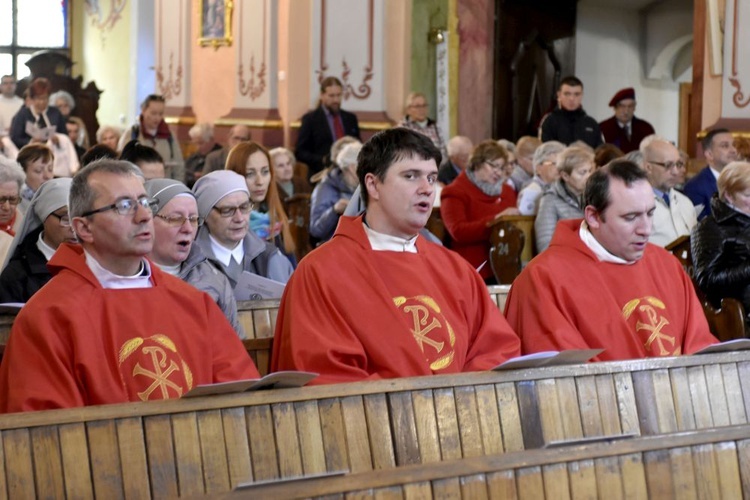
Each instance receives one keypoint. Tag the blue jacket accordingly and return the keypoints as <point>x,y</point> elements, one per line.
<point>700,189</point>
<point>323,218</point>
<point>18,133</point>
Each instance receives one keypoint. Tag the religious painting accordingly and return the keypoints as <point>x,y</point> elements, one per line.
<point>216,23</point>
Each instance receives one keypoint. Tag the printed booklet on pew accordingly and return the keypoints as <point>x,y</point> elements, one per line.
<point>254,287</point>
<point>276,380</point>
<point>729,345</point>
<point>549,358</point>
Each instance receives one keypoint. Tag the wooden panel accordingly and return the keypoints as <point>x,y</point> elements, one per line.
<point>733,391</point>
<point>474,486</point>
<point>609,477</point>
<point>727,464</point>
<point>260,433</point>
<point>683,473</point>
<point>334,435</point>
<point>75,459</point>
<point>162,465</point>
<point>287,442</point>
<point>529,414</point>
<point>379,427</point>
<point>238,446</point>
<point>509,407</point>
<point>187,449</point>
<point>588,402</point>
<point>47,462</point>
<point>717,395</point>
<point>567,396</point>
<point>131,443</point>
<point>626,403</point>
<point>699,395</point>
<point>355,427</point>
<point>468,422</point>
<point>445,409</point>
<point>582,479</point>
<point>530,483</point>
<point>633,476</point>
<point>683,401</point>
<point>659,474</point>
<point>556,482</point>
<point>706,472</point>
<point>427,429</point>
<point>213,451</point>
<point>501,485</point>
<point>489,419</point>
<point>550,412</point>
<point>404,426</point>
<point>309,430</point>
<point>105,459</point>
<point>18,464</point>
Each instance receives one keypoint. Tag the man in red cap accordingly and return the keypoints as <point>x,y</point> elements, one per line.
<point>624,130</point>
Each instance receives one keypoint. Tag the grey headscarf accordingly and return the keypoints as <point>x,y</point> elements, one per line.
<point>51,195</point>
<point>163,190</point>
<point>211,188</point>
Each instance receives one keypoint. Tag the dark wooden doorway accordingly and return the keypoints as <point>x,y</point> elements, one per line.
<point>534,49</point>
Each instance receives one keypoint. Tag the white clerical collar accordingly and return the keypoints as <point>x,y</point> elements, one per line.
<point>43,247</point>
<point>173,270</point>
<point>108,279</point>
<point>601,253</point>
<point>385,242</point>
<point>224,255</point>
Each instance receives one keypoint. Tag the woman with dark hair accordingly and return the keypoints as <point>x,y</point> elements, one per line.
<point>39,116</point>
<point>477,196</point>
<point>147,159</point>
<point>37,162</point>
<point>268,219</point>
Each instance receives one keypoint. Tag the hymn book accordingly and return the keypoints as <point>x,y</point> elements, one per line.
<point>276,380</point>
<point>255,287</point>
<point>729,345</point>
<point>549,358</point>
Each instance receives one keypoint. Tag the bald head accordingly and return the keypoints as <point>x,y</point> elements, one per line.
<point>662,163</point>
<point>459,150</point>
<point>238,134</point>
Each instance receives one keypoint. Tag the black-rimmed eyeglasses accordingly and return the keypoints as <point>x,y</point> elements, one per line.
<point>669,165</point>
<point>126,206</point>
<point>226,212</point>
<point>179,220</point>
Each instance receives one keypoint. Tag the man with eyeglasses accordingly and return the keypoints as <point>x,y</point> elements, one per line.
<point>378,300</point>
<point>675,214</point>
<point>176,222</point>
<point>45,227</point>
<point>110,327</point>
<point>624,129</point>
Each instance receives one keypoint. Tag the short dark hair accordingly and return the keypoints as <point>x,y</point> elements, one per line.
<point>82,195</point>
<point>329,81</point>
<point>388,147</point>
<point>596,193</point>
<point>39,86</point>
<point>570,81</point>
<point>151,98</point>
<point>98,152</point>
<point>33,152</point>
<point>135,152</point>
<point>707,141</point>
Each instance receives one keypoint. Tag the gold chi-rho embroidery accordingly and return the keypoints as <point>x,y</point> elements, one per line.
<point>425,318</point>
<point>158,364</point>
<point>657,341</point>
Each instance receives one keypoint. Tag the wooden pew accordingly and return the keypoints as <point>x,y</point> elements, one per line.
<point>511,245</point>
<point>209,445</point>
<point>704,464</point>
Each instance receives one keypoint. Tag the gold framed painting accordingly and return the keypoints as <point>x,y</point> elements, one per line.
<point>216,23</point>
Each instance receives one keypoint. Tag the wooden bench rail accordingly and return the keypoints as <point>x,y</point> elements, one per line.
<point>714,463</point>
<point>209,445</point>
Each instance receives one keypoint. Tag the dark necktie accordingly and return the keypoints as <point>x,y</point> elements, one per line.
<point>338,127</point>
<point>40,121</point>
<point>665,197</point>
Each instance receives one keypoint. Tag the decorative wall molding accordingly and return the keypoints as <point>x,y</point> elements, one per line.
<point>256,57</point>
<point>102,18</point>
<point>738,98</point>
<point>172,56</point>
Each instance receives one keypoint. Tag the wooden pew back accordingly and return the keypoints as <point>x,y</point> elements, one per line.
<point>209,445</point>
<point>705,464</point>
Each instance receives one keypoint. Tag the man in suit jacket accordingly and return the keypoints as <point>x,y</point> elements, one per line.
<point>624,129</point>
<point>324,125</point>
<point>719,150</point>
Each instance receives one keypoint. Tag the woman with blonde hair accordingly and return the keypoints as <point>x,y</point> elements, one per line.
<point>720,242</point>
<point>268,220</point>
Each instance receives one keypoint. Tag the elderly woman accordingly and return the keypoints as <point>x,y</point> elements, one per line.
<point>563,199</point>
<point>176,222</point>
<point>45,227</point>
<point>11,180</point>
<point>331,197</point>
<point>415,118</point>
<point>32,123</point>
<point>477,196</point>
<point>37,162</point>
<point>224,202</point>
<point>545,173</point>
<point>108,135</point>
<point>721,241</point>
<point>268,219</point>
<point>63,101</point>
<point>283,166</point>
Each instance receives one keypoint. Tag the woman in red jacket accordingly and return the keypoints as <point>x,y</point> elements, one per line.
<point>478,195</point>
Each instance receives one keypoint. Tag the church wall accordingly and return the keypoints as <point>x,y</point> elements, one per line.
<point>608,59</point>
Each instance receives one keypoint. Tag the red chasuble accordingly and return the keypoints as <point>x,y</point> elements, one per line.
<point>567,299</point>
<point>75,343</point>
<point>352,313</point>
